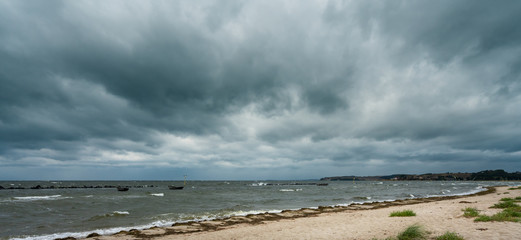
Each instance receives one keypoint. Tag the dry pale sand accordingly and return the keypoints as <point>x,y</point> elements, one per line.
<point>436,217</point>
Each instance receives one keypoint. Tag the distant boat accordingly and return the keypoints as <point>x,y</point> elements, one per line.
<point>122,189</point>
<point>172,187</point>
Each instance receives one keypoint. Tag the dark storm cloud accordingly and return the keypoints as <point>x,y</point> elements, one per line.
<point>446,29</point>
<point>258,85</point>
<point>172,72</point>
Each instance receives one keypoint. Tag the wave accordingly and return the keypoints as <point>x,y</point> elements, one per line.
<point>116,213</point>
<point>108,215</point>
<point>361,198</point>
<point>158,194</point>
<point>290,190</point>
<point>225,214</point>
<point>37,198</point>
<point>106,231</point>
<point>474,191</point>
<point>259,184</point>
<point>161,223</point>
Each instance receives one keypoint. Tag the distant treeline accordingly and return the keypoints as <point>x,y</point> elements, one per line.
<point>487,175</point>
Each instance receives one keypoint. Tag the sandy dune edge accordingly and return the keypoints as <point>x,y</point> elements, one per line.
<point>362,221</point>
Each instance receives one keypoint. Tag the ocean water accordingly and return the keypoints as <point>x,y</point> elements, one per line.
<point>61,212</point>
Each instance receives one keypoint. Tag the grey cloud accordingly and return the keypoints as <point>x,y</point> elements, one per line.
<point>338,83</point>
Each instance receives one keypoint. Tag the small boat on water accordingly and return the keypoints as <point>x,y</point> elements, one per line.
<point>172,187</point>
<point>122,189</point>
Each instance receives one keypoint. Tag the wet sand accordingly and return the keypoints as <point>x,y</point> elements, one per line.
<point>360,221</point>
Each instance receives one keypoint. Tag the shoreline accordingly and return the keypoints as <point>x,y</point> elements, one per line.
<point>191,228</point>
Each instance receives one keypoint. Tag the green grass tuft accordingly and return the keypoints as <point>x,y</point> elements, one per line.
<point>507,215</point>
<point>450,236</point>
<point>404,213</point>
<point>417,232</point>
<point>517,199</point>
<point>483,218</point>
<point>511,212</point>
<point>470,212</point>
<point>507,204</point>
<point>414,232</point>
<point>515,188</point>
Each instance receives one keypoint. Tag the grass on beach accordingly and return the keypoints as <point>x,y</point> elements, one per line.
<point>414,232</point>
<point>517,199</point>
<point>511,212</point>
<point>506,204</point>
<point>515,188</point>
<point>417,232</point>
<point>470,212</point>
<point>450,236</point>
<point>506,215</point>
<point>404,213</point>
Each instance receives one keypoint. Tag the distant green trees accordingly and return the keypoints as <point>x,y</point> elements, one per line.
<point>487,175</point>
<point>496,175</point>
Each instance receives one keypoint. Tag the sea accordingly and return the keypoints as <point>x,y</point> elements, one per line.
<point>77,208</point>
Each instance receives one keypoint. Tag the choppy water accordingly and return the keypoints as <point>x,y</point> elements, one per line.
<point>53,213</point>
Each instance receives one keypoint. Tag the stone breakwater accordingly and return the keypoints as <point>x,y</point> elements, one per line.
<point>138,186</point>
<point>253,219</point>
<point>72,187</point>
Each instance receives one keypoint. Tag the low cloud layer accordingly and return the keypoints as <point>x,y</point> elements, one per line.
<point>257,89</point>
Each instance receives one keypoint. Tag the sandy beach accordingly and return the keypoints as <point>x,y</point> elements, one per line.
<point>364,221</point>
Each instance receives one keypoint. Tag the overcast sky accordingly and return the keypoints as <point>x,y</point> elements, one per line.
<point>257,89</point>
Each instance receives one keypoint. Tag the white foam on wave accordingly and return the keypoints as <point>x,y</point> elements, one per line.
<point>476,190</point>
<point>290,190</point>
<point>120,213</point>
<point>107,231</point>
<point>244,213</point>
<point>36,198</point>
<point>158,194</point>
<point>258,184</point>
<point>411,196</point>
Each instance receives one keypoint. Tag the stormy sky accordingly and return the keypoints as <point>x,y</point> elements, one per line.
<point>257,89</point>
